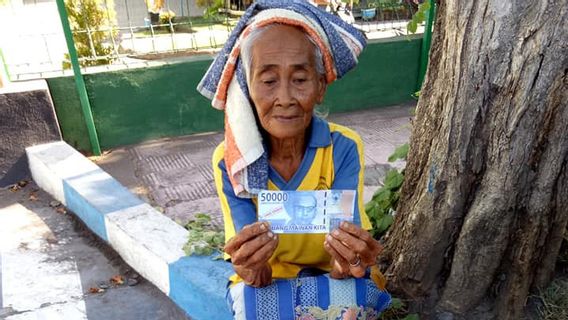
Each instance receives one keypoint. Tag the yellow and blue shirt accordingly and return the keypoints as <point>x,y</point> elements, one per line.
<point>333,160</point>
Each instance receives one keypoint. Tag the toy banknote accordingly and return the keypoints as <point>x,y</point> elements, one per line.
<point>318,211</point>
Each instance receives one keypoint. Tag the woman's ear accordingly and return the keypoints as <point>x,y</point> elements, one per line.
<point>322,87</point>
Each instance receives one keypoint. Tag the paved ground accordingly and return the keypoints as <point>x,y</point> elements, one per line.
<point>49,263</point>
<point>175,175</point>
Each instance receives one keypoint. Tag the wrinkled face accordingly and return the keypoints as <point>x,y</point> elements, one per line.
<point>284,84</point>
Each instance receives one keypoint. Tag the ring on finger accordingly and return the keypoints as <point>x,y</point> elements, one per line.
<point>356,263</point>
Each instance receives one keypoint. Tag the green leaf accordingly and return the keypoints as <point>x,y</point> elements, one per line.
<point>372,210</point>
<point>419,16</point>
<point>401,152</point>
<point>203,239</point>
<point>369,206</point>
<point>396,303</point>
<point>381,195</point>
<point>412,26</point>
<point>413,316</point>
<point>394,200</point>
<point>393,180</point>
<point>385,223</point>
<point>424,6</point>
<point>203,216</point>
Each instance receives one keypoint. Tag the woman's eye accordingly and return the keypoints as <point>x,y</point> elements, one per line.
<point>300,80</point>
<point>268,81</point>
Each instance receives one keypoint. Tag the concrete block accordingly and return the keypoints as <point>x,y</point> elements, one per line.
<point>198,285</point>
<point>62,159</point>
<point>102,191</point>
<point>44,177</point>
<point>147,240</point>
<point>51,163</point>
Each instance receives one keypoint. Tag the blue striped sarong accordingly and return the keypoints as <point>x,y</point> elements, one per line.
<point>309,298</point>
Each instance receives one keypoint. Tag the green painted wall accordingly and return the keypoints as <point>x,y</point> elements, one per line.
<point>387,74</point>
<point>131,106</point>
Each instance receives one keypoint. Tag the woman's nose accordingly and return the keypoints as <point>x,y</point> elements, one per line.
<point>284,95</point>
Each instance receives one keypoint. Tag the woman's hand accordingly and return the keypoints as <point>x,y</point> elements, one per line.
<point>250,250</point>
<point>352,250</point>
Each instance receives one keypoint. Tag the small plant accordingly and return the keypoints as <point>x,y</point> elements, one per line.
<point>204,239</point>
<point>382,207</point>
<point>166,16</point>
<point>555,300</point>
<point>398,311</point>
<point>418,17</point>
<point>211,7</point>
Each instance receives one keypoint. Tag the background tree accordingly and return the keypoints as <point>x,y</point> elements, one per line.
<point>92,22</point>
<point>484,203</point>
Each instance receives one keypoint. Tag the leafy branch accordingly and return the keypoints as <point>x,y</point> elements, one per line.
<point>204,238</point>
<point>418,17</point>
<point>382,207</point>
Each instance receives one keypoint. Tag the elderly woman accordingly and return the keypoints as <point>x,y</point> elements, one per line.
<point>270,76</point>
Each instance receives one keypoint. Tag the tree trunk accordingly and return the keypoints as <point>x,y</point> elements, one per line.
<point>485,200</point>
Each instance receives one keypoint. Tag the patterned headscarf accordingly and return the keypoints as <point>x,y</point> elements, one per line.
<point>225,81</point>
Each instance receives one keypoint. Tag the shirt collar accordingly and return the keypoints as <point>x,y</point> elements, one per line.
<point>320,136</point>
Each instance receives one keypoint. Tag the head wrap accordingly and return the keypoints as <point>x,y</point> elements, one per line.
<point>225,81</point>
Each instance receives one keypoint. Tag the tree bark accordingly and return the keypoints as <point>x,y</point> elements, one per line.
<point>485,199</point>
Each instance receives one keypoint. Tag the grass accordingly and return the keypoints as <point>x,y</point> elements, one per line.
<point>554,301</point>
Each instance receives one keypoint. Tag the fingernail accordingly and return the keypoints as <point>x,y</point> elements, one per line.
<point>344,224</point>
<point>263,227</point>
<point>335,232</point>
<point>328,237</point>
<point>270,234</point>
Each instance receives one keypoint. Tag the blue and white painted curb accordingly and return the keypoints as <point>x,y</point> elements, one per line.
<point>148,241</point>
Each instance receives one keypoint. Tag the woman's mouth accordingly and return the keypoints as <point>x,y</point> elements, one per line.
<point>286,118</point>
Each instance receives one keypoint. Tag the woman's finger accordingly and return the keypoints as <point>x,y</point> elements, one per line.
<point>338,271</point>
<point>344,268</point>
<point>373,246</point>
<point>248,248</point>
<point>245,235</point>
<point>356,267</point>
<point>262,255</point>
<point>356,244</point>
<point>357,232</point>
<point>339,266</point>
<point>346,253</point>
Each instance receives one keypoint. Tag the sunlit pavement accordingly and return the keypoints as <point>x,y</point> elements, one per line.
<point>52,268</point>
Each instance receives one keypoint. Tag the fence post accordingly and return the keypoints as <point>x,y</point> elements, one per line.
<point>4,73</point>
<point>426,41</point>
<point>79,81</point>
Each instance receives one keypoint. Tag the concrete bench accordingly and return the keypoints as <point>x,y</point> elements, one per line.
<point>148,241</point>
